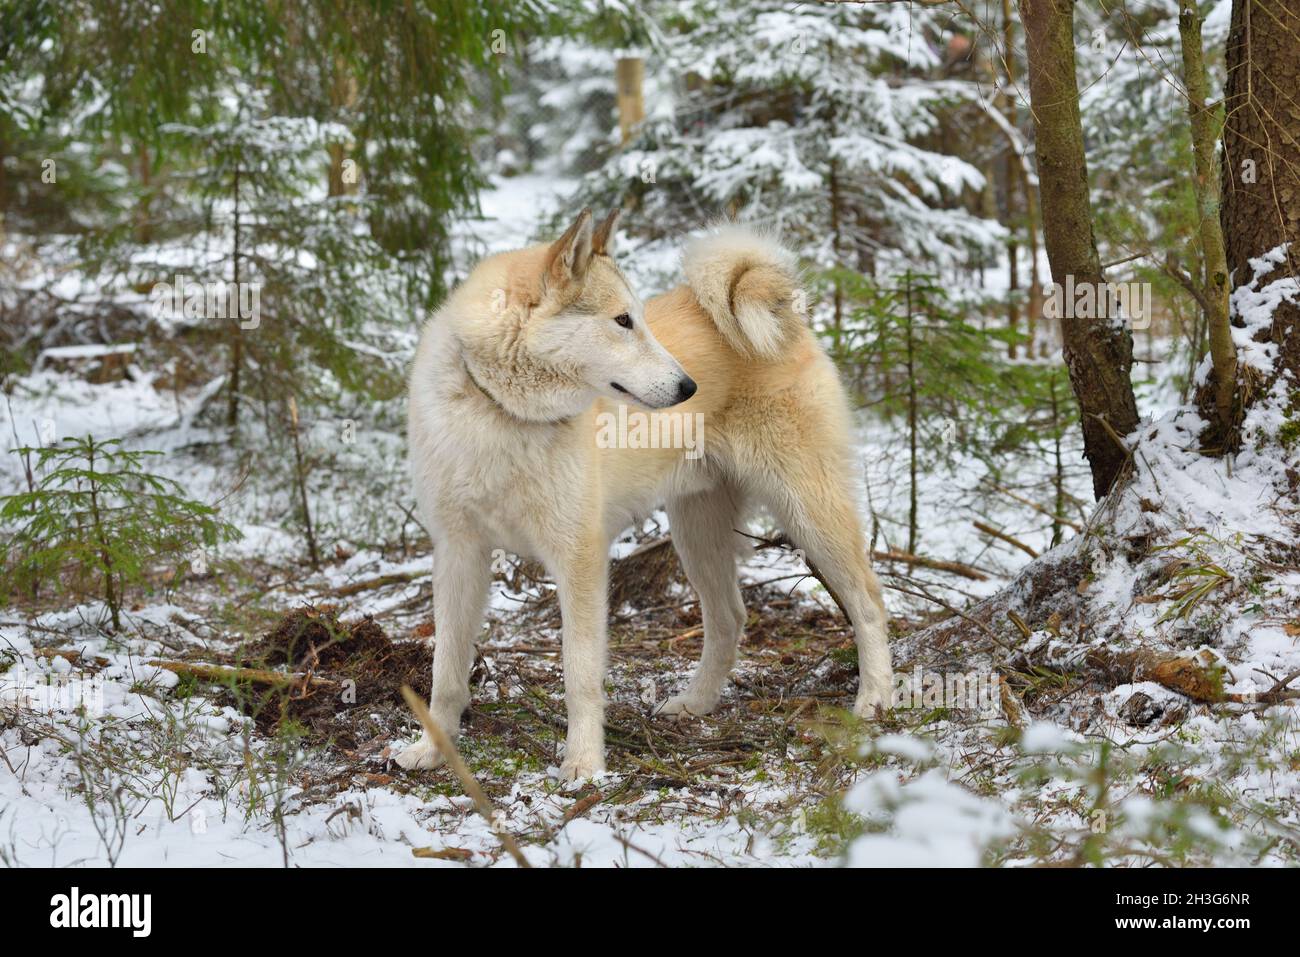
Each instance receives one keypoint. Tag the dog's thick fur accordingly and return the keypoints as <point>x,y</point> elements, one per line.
<point>507,383</point>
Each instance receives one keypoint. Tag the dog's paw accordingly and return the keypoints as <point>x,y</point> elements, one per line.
<point>871,704</point>
<point>580,767</point>
<point>688,705</point>
<point>420,756</point>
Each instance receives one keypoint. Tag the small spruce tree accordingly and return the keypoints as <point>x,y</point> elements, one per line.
<point>99,523</point>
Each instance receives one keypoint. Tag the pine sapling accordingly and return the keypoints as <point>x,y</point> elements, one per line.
<point>99,523</point>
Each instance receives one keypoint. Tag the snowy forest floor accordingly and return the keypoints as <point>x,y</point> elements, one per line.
<point>1072,763</point>
<point>1142,710</point>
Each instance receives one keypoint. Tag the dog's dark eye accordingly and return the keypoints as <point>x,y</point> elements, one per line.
<point>624,320</point>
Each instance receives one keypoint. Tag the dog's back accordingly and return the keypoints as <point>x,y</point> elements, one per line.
<point>738,328</point>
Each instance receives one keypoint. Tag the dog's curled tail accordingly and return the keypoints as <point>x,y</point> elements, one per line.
<point>749,284</point>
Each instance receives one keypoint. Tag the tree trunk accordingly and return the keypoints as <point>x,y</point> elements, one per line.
<point>236,333</point>
<point>300,471</point>
<point>1011,162</point>
<point>913,523</point>
<point>143,224</point>
<point>1219,399</point>
<point>343,97</point>
<point>835,243</point>
<point>1261,143</point>
<point>1018,179</point>
<point>629,72</point>
<point>1058,470</point>
<point>1098,351</point>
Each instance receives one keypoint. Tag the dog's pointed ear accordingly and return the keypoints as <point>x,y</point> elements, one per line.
<point>602,242</point>
<point>570,255</point>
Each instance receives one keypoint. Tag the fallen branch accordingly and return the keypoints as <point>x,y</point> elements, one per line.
<point>219,674</point>
<point>957,568</point>
<point>893,555</point>
<point>523,649</point>
<point>989,632</point>
<point>581,807</point>
<point>214,674</point>
<point>1279,692</point>
<point>462,854</point>
<point>1037,508</point>
<point>71,654</point>
<point>1003,536</point>
<point>449,753</point>
<point>369,584</point>
<point>766,705</point>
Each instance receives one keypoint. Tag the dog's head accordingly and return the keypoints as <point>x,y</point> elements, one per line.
<point>589,320</point>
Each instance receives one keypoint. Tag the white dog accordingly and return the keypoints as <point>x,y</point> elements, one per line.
<point>510,380</point>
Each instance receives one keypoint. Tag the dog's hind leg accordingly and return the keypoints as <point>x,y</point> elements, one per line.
<point>461,575</point>
<point>811,497</point>
<point>703,533</point>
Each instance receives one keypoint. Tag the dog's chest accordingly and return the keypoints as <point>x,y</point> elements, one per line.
<point>521,485</point>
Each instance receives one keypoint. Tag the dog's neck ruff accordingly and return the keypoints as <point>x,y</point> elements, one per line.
<point>469,374</point>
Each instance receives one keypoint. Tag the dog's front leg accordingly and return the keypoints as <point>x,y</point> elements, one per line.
<point>461,575</point>
<point>581,578</point>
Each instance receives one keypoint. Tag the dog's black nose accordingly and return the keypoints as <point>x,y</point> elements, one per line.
<point>685,388</point>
